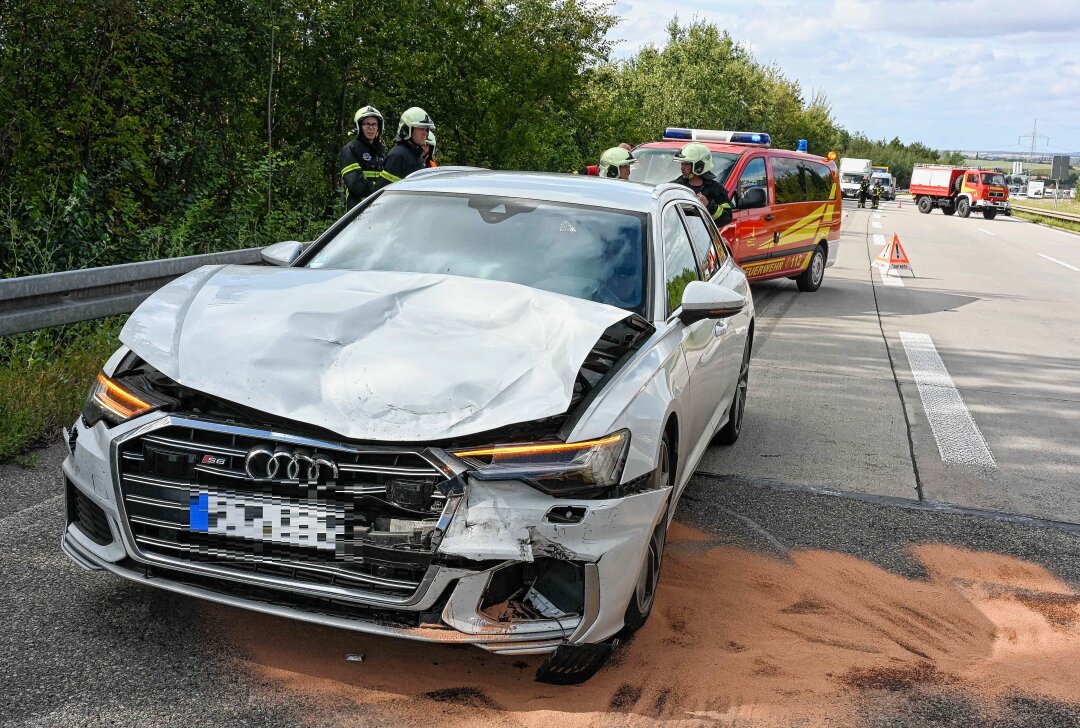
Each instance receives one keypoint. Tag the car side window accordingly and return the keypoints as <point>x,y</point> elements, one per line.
<point>787,180</point>
<point>707,248</point>
<point>753,176</point>
<point>679,265</point>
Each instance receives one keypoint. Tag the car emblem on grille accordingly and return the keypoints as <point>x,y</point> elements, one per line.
<point>266,462</point>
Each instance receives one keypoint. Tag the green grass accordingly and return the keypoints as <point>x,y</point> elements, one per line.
<point>1071,207</point>
<point>1052,222</point>
<point>44,377</point>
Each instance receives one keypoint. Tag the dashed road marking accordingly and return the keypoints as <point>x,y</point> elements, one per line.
<point>988,233</point>
<point>1055,260</point>
<point>876,224</point>
<point>879,239</point>
<point>958,437</point>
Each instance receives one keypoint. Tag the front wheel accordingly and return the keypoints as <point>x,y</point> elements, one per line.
<point>810,279</point>
<point>641,601</point>
<point>989,214</point>
<point>963,208</point>
<point>925,205</point>
<point>730,432</point>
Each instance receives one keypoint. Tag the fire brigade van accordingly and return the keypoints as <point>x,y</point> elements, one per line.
<point>959,190</point>
<point>787,206</point>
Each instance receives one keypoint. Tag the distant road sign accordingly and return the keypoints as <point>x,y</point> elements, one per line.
<point>1060,167</point>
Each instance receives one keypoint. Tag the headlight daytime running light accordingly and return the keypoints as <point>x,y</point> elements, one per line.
<point>556,467</point>
<point>112,402</point>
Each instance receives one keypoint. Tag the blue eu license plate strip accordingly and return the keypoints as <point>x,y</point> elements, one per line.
<point>199,514</point>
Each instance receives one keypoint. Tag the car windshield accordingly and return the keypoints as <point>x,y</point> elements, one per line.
<point>656,166</point>
<point>586,252</point>
<point>993,179</point>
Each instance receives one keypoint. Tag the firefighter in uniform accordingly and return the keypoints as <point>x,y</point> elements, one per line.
<point>361,160</point>
<point>864,190</point>
<point>875,195</point>
<point>615,163</point>
<point>696,161</point>
<point>407,156</point>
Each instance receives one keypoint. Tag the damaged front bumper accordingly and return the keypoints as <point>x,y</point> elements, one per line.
<point>511,570</point>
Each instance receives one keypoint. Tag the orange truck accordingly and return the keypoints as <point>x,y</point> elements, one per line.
<point>959,190</point>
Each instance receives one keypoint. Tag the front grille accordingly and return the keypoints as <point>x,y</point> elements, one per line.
<point>87,516</point>
<point>362,521</point>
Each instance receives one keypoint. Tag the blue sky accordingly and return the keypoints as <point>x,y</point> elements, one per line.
<point>954,74</point>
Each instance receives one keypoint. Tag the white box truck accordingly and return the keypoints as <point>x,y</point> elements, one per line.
<point>852,173</point>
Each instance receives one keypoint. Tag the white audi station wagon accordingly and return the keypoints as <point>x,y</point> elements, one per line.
<point>464,414</point>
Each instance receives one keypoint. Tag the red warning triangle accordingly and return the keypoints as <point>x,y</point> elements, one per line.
<point>893,254</point>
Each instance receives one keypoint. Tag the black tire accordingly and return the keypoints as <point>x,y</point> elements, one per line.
<point>810,279</point>
<point>989,214</point>
<point>948,210</point>
<point>641,601</point>
<point>963,208</point>
<point>925,205</point>
<point>729,433</point>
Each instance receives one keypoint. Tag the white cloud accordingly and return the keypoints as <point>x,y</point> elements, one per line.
<point>951,73</point>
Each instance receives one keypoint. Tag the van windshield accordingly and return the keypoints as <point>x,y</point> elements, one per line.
<point>852,178</point>
<point>656,166</point>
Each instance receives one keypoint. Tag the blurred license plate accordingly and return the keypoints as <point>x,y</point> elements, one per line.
<point>267,518</point>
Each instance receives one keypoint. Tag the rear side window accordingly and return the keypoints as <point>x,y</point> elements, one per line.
<point>707,248</point>
<point>679,265</point>
<point>753,176</point>
<point>799,180</point>
<point>819,181</point>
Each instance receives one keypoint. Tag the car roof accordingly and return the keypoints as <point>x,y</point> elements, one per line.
<point>564,188</point>
<point>728,148</point>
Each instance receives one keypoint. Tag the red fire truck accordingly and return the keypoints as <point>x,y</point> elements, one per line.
<point>959,190</point>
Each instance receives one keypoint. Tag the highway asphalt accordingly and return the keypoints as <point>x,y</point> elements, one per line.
<point>857,450</point>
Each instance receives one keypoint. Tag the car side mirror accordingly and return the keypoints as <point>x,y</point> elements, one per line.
<point>703,300</point>
<point>283,254</point>
<point>753,197</point>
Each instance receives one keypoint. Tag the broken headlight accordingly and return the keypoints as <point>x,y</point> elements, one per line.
<point>557,468</point>
<point>109,400</point>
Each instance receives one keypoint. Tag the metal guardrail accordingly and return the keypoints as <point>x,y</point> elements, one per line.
<point>1046,213</point>
<point>38,302</point>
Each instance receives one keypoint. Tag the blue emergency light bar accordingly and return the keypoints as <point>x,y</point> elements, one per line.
<point>712,135</point>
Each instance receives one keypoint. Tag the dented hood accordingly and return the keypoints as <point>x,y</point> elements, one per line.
<point>370,355</point>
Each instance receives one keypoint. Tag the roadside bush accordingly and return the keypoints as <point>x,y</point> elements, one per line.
<point>44,377</point>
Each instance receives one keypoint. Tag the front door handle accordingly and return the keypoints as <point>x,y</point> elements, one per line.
<point>720,328</point>
<point>770,217</point>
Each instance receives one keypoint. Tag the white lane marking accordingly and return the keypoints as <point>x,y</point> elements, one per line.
<point>1055,260</point>
<point>891,277</point>
<point>876,224</point>
<point>958,437</point>
<point>988,233</point>
<point>877,215</point>
<point>879,239</point>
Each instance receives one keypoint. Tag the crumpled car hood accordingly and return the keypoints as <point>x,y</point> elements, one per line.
<point>370,355</point>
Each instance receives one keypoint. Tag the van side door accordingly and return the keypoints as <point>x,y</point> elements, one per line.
<point>750,232</point>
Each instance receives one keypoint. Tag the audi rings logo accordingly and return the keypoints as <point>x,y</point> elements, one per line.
<point>266,462</point>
